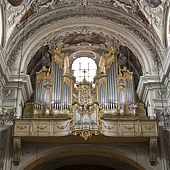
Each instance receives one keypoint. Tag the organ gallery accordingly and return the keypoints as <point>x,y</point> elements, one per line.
<point>63,106</point>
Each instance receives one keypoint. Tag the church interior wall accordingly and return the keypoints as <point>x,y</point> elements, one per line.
<point>143,36</point>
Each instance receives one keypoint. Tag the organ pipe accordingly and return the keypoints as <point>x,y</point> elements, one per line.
<point>114,91</point>
<point>57,78</point>
<point>66,96</point>
<point>112,86</point>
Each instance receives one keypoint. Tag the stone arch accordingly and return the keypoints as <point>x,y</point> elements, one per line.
<point>109,152</point>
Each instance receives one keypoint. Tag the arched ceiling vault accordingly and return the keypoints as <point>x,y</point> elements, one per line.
<point>51,27</point>
<point>117,37</point>
<point>53,37</point>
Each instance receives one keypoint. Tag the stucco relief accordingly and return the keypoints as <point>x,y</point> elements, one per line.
<point>163,116</point>
<point>154,14</point>
<point>8,93</point>
<point>41,6</point>
<point>15,13</point>
<point>55,38</point>
<point>15,51</point>
<point>161,93</point>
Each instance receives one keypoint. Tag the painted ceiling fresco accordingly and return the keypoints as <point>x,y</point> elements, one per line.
<point>78,38</point>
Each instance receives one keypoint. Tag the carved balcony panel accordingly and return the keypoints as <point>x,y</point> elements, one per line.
<point>41,127</point>
<point>130,127</point>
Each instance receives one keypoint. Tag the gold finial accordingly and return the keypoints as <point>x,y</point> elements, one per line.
<point>44,68</point>
<point>111,49</point>
<point>120,73</point>
<point>58,49</point>
<point>125,68</point>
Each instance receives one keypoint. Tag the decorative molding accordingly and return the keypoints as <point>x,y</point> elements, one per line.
<point>15,13</point>
<point>139,149</point>
<point>161,93</point>
<point>85,134</point>
<point>17,150</point>
<point>8,93</point>
<point>99,13</point>
<point>154,14</point>
<point>163,115</point>
<point>111,37</point>
<point>114,128</point>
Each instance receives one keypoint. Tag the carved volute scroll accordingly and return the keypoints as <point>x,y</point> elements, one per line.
<point>17,150</point>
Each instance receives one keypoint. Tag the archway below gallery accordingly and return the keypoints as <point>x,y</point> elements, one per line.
<point>58,157</point>
<point>85,162</point>
<point>85,167</point>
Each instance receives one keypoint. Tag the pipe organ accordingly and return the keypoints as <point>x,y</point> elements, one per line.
<point>105,108</point>
<point>84,105</point>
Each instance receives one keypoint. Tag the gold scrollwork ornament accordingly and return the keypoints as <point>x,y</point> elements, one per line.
<point>85,134</point>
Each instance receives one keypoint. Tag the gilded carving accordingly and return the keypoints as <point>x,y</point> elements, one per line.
<point>58,49</point>
<point>109,127</point>
<point>125,74</point>
<point>128,127</point>
<point>149,127</point>
<point>86,110</point>
<point>43,74</point>
<point>22,127</point>
<point>61,127</point>
<point>108,59</point>
<point>57,56</point>
<point>86,133</point>
<point>67,78</point>
<point>101,81</point>
<point>41,127</point>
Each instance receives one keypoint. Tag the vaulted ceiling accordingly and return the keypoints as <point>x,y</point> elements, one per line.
<point>137,28</point>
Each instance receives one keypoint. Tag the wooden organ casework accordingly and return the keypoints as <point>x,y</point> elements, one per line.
<point>54,87</point>
<point>85,105</point>
<point>107,106</point>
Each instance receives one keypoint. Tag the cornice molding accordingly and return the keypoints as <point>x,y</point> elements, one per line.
<point>146,83</point>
